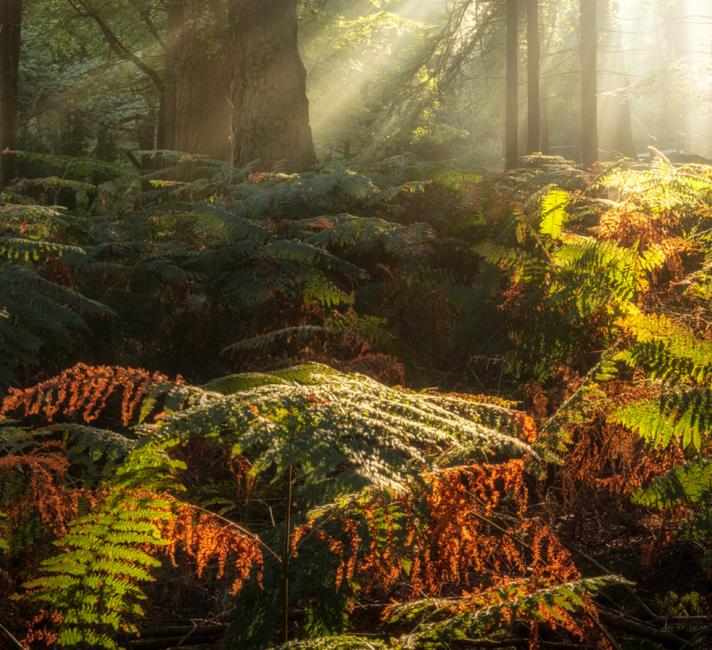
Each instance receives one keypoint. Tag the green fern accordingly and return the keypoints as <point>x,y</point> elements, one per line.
<point>682,415</point>
<point>552,212</point>
<point>691,483</point>
<point>284,336</point>
<point>27,250</point>
<point>4,534</point>
<point>671,354</point>
<point>35,312</point>
<point>92,583</point>
<point>341,431</point>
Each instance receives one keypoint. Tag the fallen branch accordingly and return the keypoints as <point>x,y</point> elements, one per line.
<point>642,630</point>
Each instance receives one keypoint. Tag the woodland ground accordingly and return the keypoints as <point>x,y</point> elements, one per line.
<point>396,405</point>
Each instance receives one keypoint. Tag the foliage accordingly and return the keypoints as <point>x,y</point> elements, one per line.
<point>316,494</point>
<point>92,582</point>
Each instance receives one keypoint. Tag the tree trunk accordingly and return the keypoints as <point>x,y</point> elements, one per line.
<point>197,112</point>
<point>511,135</point>
<point>10,42</point>
<point>615,121</point>
<point>175,18</point>
<point>271,122</point>
<point>589,86</point>
<point>533,78</point>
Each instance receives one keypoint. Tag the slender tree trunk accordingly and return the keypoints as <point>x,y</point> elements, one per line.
<point>589,86</point>
<point>533,78</point>
<point>271,122</point>
<point>511,131</point>
<point>10,42</point>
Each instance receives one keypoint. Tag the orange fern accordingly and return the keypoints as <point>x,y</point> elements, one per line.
<point>205,539</point>
<point>470,529</point>
<point>45,469</point>
<point>83,391</point>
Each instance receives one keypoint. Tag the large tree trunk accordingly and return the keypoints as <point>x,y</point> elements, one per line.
<point>511,131</point>
<point>271,121</point>
<point>196,106</point>
<point>589,85</point>
<point>10,41</point>
<point>533,78</point>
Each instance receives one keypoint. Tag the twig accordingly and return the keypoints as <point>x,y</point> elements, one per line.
<point>11,637</point>
<point>244,531</point>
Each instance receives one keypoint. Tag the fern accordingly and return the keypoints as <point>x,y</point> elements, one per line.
<point>552,212</point>
<point>34,312</point>
<point>671,354</point>
<point>344,642</point>
<point>285,336</point>
<point>685,415</point>
<point>92,583</point>
<point>442,619</point>
<point>28,250</point>
<point>691,483</point>
<point>681,414</point>
<point>332,428</point>
<point>4,543</point>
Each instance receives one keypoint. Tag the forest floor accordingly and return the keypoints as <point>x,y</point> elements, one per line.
<point>397,405</point>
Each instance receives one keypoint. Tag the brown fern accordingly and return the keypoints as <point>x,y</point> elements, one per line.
<point>83,391</point>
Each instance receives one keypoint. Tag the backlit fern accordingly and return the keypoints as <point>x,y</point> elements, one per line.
<point>683,364</point>
<point>332,427</point>
<point>93,582</point>
<point>566,606</point>
<point>466,530</point>
<point>681,414</point>
<point>83,391</point>
<point>131,504</point>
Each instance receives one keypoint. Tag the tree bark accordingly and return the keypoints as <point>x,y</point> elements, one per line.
<point>511,131</point>
<point>589,85</point>
<point>197,111</point>
<point>10,44</point>
<point>533,78</point>
<point>271,120</point>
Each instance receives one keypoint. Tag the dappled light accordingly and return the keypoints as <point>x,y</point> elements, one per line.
<point>355,324</point>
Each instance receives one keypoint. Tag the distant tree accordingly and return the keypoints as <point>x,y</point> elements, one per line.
<point>271,121</point>
<point>10,43</point>
<point>511,136</point>
<point>615,120</point>
<point>533,78</point>
<point>589,85</point>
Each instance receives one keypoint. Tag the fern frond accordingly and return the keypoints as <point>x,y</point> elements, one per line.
<point>300,334</point>
<point>303,253</point>
<point>93,582</point>
<point>683,415</point>
<point>343,642</point>
<point>691,483</point>
<point>552,212</point>
<point>558,605</point>
<point>343,431</point>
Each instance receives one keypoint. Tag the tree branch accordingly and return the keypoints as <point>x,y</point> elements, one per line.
<point>84,8</point>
